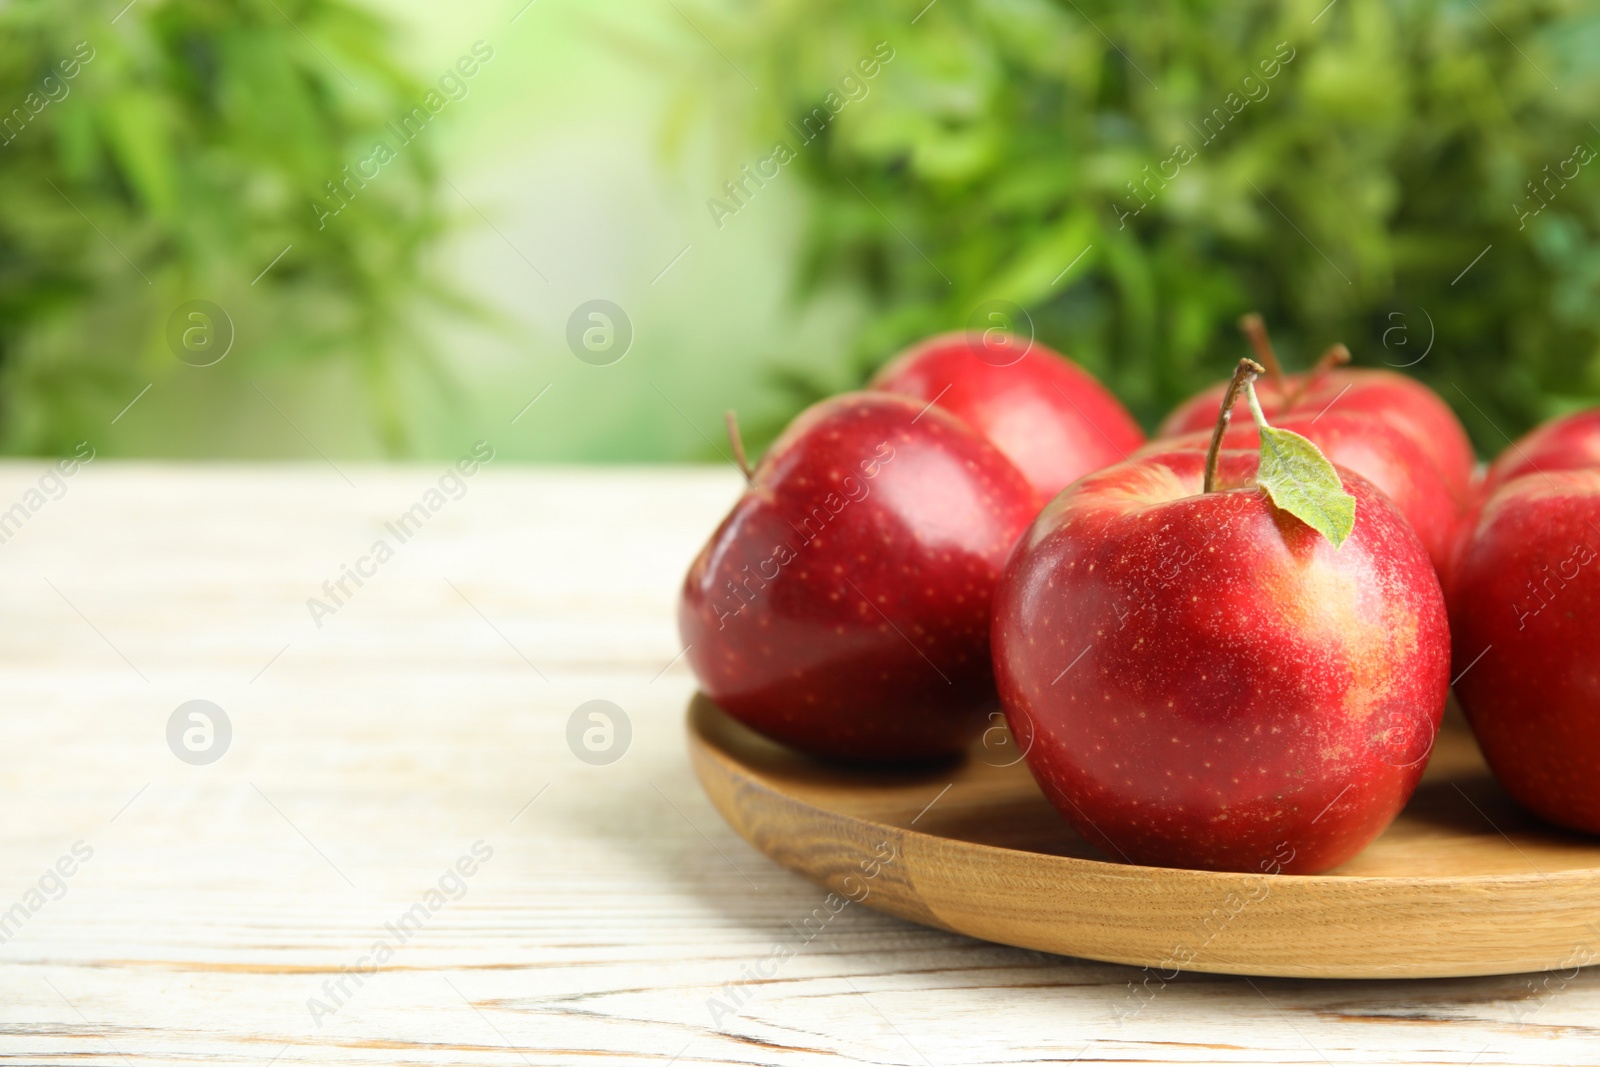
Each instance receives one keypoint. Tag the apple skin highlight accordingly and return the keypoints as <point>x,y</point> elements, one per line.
<point>843,606</point>
<point>1048,415</point>
<point>1200,680</point>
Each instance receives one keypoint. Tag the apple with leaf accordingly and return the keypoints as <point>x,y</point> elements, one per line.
<point>1226,659</point>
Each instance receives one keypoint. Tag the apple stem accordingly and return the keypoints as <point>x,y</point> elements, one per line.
<point>1256,330</point>
<point>736,441</point>
<point>1254,401</point>
<point>1243,375</point>
<point>1337,355</point>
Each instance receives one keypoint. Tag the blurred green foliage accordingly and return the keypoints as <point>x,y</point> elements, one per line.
<point>1343,197</point>
<point>169,153</point>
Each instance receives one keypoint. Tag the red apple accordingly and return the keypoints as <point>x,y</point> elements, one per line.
<point>1407,404</point>
<point>1200,679</point>
<point>1047,414</point>
<point>843,606</point>
<point>1568,443</point>
<point>1378,451</point>
<point>1523,604</point>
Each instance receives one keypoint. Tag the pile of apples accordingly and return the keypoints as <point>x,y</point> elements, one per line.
<point>1226,648</point>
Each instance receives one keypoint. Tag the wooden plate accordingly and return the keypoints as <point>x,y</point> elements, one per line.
<point>1463,882</point>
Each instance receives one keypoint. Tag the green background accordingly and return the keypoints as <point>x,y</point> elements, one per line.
<point>989,156</point>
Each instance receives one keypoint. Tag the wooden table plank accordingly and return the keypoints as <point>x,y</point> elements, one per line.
<point>370,754</point>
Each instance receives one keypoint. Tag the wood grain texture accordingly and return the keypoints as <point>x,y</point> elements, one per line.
<point>617,911</point>
<point>1461,884</point>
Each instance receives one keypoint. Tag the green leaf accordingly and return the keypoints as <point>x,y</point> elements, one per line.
<point>1301,481</point>
<point>137,128</point>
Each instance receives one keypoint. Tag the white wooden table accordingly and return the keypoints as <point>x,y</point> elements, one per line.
<point>429,713</point>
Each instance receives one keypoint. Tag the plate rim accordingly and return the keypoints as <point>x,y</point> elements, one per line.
<point>1518,922</point>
